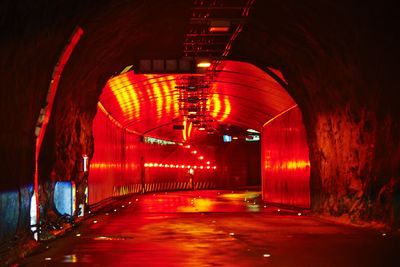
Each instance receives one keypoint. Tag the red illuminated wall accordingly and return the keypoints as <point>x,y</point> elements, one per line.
<point>122,163</point>
<point>115,166</point>
<point>285,161</point>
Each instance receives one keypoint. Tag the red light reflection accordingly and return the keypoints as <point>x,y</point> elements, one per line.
<point>286,165</point>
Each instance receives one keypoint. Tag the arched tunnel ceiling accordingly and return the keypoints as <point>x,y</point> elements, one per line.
<point>240,94</point>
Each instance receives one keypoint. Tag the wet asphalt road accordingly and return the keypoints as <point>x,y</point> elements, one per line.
<point>213,228</point>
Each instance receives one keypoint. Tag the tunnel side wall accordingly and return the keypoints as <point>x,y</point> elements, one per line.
<point>115,166</point>
<point>285,161</point>
<point>124,163</point>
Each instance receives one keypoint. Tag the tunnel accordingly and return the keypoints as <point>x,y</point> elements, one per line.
<point>279,117</point>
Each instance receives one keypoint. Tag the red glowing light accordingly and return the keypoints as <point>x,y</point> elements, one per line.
<point>285,160</point>
<point>201,157</point>
<point>219,29</point>
<point>98,165</point>
<point>208,163</point>
<point>194,152</point>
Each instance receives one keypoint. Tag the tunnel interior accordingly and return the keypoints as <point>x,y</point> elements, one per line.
<point>316,80</point>
<point>156,132</point>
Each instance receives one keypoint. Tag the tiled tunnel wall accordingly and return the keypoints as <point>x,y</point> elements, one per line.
<point>285,161</point>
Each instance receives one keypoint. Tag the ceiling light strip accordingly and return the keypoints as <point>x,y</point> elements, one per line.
<point>280,114</point>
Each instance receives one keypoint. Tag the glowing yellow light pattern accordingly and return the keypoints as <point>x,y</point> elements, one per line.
<point>216,106</point>
<point>174,93</point>
<point>159,99</point>
<point>184,136</point>
<point>189,130</point>
<point>126,95</point>
<point>299,164</point>
<point>167,95</point>
<point>148,88</point>
<point>135,100</point>
<point>227,111</point>
<point>220,109</point>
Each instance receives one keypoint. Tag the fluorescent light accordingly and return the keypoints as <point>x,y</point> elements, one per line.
<point>253,138</point>
<point>219,29</point>
<point>219,26</point>
<point>126,69</point>
<point>252,131</point>
<point>203,64</point>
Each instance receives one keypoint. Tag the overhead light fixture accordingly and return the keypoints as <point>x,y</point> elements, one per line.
<point>219,26</point>
<point>252,138</point>
<point>204,64</point>
<point>126,69</point>
<point>252,131</point>
<point>219,29</point>
<point>191,88</point>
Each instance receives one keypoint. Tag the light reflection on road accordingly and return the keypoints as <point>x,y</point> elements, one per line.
<point>209,228</point>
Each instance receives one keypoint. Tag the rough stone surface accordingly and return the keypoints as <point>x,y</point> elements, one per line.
<point>339,61</point>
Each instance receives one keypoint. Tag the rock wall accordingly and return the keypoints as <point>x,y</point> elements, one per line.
<point>31,40</point>
<point>339,61</point>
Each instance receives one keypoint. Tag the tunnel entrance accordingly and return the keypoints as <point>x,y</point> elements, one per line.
<point>164,131</point>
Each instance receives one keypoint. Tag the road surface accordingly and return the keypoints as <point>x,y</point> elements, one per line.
<point>213,228</point>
